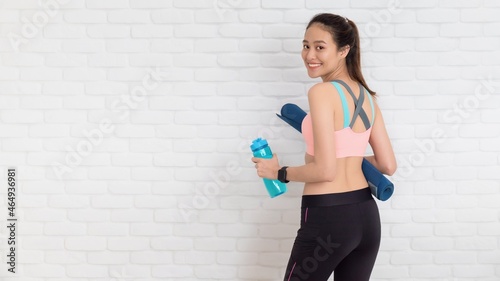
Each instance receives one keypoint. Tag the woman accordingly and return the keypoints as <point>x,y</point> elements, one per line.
<point>340,225</point>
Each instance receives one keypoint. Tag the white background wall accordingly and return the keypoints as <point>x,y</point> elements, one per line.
<point>129,123</point>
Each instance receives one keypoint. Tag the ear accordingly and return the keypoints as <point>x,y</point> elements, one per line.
<point>345,51</point>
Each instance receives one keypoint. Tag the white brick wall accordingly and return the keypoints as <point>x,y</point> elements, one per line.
<point>129,123</point>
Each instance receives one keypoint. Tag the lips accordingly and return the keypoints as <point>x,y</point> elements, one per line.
<point>313,65</point>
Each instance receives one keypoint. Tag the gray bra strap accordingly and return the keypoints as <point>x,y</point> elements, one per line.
<point>358,105</point>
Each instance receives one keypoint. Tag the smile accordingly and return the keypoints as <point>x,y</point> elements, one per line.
<point>313,65</point>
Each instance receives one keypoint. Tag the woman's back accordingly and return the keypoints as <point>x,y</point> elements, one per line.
<point>351,136</point>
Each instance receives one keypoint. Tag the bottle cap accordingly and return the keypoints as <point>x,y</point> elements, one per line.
<point>258,144</point>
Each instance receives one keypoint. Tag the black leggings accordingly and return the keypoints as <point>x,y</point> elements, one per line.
<point>338,233</point>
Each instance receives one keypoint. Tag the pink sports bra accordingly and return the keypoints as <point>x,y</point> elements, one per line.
<point>347,142</point>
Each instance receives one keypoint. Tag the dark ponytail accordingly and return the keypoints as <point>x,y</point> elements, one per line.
<point>344,33</point>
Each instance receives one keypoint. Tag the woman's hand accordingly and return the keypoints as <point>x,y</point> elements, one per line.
<point>267,168</point>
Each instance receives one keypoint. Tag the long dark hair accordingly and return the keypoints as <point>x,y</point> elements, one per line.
<point>344,33</point>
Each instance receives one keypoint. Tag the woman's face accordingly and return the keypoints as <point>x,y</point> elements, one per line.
<point>320,54</point>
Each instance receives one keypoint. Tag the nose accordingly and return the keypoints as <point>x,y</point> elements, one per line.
<point>309,54</point>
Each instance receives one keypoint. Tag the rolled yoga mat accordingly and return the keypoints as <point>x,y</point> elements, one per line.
<point>381,187</point>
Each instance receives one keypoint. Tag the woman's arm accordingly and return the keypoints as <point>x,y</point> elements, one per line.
<point>383,158</point>
<point>323,167</point>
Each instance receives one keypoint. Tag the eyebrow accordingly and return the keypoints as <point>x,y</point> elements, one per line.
<point>317,41</point>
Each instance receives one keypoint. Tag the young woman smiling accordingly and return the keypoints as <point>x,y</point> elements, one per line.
<point>340,224</point>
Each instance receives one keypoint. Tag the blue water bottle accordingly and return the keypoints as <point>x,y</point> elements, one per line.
<point>261,149</point>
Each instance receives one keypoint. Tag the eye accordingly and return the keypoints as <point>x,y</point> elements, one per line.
<point>320,48</point>
<point>305,47</point>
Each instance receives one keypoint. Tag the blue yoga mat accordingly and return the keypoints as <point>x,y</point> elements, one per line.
<point>381,187</point>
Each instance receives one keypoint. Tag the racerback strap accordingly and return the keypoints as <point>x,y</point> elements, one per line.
<point>358,104</point>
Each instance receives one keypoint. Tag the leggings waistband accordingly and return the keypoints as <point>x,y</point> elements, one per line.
<point>334,199</point>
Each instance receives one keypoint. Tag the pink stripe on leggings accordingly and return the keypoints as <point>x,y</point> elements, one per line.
<point>305,216</point>
<point>293,267</point>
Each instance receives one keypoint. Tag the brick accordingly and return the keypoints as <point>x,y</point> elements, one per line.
<point>19,59</point>
<point>392,45</point>
<point>40,74</point>
<point>107,229</point>
<point>9,16</point>
<point>129,16</point>
<point>172,244</point>
<point>194,258</point>
<point>230,258</point>
<point>410,258</point>
<point>63,88</point>
<point>195,230</point>
<point>108,258</point>
<point>238,60</point>
<point>85,16</point>
<point>86,271</point>
<point>154,202</point>
<point>430,271</point>
<point>218,75</point>
<point>20,145</point>
<point>460,30</point>
<point>150,145</point>
<point>65,229</point>
<point>483,44</point>
<point>172,16</point>
<point>260,16</point>
<point>112,202</point>
<point>412,230</point>
<point>433,243</point>
<point>127,46</point>
<point>171,271</point>
<point>195,31</point>
<point>258,272</point>
<point>128,243</point>
<point>218,271</point>
<point>236,230</point>
<point>195,89</point>
<point>110,173</point>
<point>195,60</point>
<point>190,118</point>
<point>153,4</point>
<point>438,15</point>
<point>58,31</point>
<point>479,15</point>
<point>436,44</point>
<point>260,45</point>
<point>277,231</point>
<point>240,31</point>
<point>216,15</point>
<point>44,270</point>
<point>134,131</point>
<point>151,257</point>
<point>108,31</point>
<point>131,215</point>
<point>454,258</point>
<point>88,215</point>
<point>217,46</point>
<point>460,3</point>
<point>219,217</point>
<point>283,31</point>
<point>172,45</point>
<point>113,4</point>
<point>64,257</point>
<point>151,174</point>
<point>150,229</point>
<point>83,46</point>
<point>87,243</point>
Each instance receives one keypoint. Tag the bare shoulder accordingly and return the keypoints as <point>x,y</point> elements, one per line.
<point>320,89</point>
